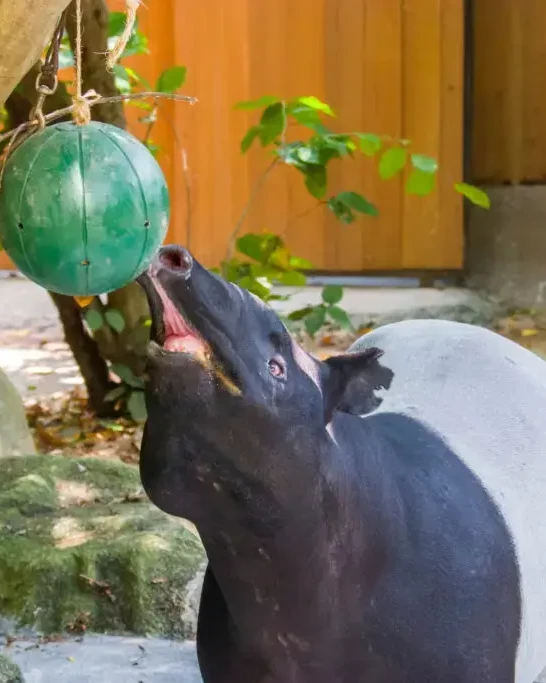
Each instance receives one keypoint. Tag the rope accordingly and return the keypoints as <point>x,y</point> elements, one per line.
<point>81,112</point>
<point>115,53</point>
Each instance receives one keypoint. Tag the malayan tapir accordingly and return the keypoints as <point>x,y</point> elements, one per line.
<point>379,517</point>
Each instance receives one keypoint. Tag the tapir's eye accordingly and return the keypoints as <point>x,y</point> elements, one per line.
<point>277,368</point>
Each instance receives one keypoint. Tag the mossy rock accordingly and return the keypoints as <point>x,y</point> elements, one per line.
<point>81,548</point>
<point>15,438</point>
<point>9,671</point>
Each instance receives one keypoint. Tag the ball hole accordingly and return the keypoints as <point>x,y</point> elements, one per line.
<point>20,226</point>
<point>146,224</point>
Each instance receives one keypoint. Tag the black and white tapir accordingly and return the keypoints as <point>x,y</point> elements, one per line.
<point>379,517</point>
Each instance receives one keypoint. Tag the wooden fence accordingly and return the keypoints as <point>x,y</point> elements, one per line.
<point>393,67</point>
<point>509,102</point>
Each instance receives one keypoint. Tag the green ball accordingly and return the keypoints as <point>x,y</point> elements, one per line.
<point>83,209</point>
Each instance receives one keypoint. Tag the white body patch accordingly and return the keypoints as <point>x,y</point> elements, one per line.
<point>486,396</point>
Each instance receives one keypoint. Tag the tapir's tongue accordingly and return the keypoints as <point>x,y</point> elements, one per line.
<point>179,337</point>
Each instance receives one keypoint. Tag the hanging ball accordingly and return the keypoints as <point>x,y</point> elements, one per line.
<point>83,209</point>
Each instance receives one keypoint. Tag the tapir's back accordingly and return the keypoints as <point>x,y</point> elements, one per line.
<point>485,396</point>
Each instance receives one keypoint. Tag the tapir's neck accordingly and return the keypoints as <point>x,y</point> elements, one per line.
<point>283,582</point>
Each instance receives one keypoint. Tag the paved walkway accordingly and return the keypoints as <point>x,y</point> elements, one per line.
<point>105,659</point>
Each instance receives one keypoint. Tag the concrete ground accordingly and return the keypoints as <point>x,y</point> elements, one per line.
<point>105,659</point>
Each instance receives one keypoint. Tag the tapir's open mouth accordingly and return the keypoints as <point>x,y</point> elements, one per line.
<point>175,334</point>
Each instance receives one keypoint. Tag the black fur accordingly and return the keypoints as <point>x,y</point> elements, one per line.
<point>342,549</point>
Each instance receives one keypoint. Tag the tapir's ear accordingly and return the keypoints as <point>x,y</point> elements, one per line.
<point>350,381</point>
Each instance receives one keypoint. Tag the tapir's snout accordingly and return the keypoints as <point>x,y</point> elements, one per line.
<point>174,259</point>
<point>194,311</point>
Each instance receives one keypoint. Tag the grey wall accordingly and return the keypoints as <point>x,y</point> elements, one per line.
<point>506,246</point>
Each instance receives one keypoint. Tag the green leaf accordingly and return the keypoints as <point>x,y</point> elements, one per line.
<point>307,117</point>
<point>127,376</point>
<point>316,104</point>
<point>342,212</point>
<point>137,45</point>
<point>136,405</point>
<point>272,123</point>
<point>300,314</point>
<point>250,136</point>
<point>341,317</point>
<point>257,287</point>
<point>115,319</point>
<point>171,79</point>
<point>115,394</point>
<point>420,183</point>
<point>424,164</point>
<point>332,294</point>
<point>135,78</point>
<point>122,79</point>
<point>94,319</point>
<point>291,278</point>
<point>357,202</point>
<point>116,24</point>
<point>392,162</point>
<point>250,245</point>
<point>474,194</point>
<point>370,144</point>
<point>316,180</point>
<point>264,101</point>
<point>315,320</point>
<point>308,155</point>
<point>299,263</point>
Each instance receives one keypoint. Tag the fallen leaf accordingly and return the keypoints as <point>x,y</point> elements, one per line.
<point>83,301</point>
<point>529,332</point>
<point>40,370</point>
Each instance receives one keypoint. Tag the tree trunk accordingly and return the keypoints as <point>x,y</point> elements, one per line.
<point>86,352</point>
<point>25,28</point>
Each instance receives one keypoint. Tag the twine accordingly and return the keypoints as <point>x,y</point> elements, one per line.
<point>81,112</point>
<point>119,48</point>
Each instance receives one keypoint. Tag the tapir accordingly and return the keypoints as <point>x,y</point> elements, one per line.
<point>377,517</point>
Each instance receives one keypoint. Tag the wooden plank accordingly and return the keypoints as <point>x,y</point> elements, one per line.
<point>345,74</point>
<point>217,175</point>
<point>450,253</point>
<point>533,94</point>
<point>382,93</point>
<point>433,120</point>
<point>491,156</point>
<point>421,111</point>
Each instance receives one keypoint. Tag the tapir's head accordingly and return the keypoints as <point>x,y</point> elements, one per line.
<point>229,389</point>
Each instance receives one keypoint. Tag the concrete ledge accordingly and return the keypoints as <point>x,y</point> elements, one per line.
<point>385,305</point>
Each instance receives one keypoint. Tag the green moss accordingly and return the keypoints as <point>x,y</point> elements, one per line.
<point>9,671</point>
<point>77,550</point>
